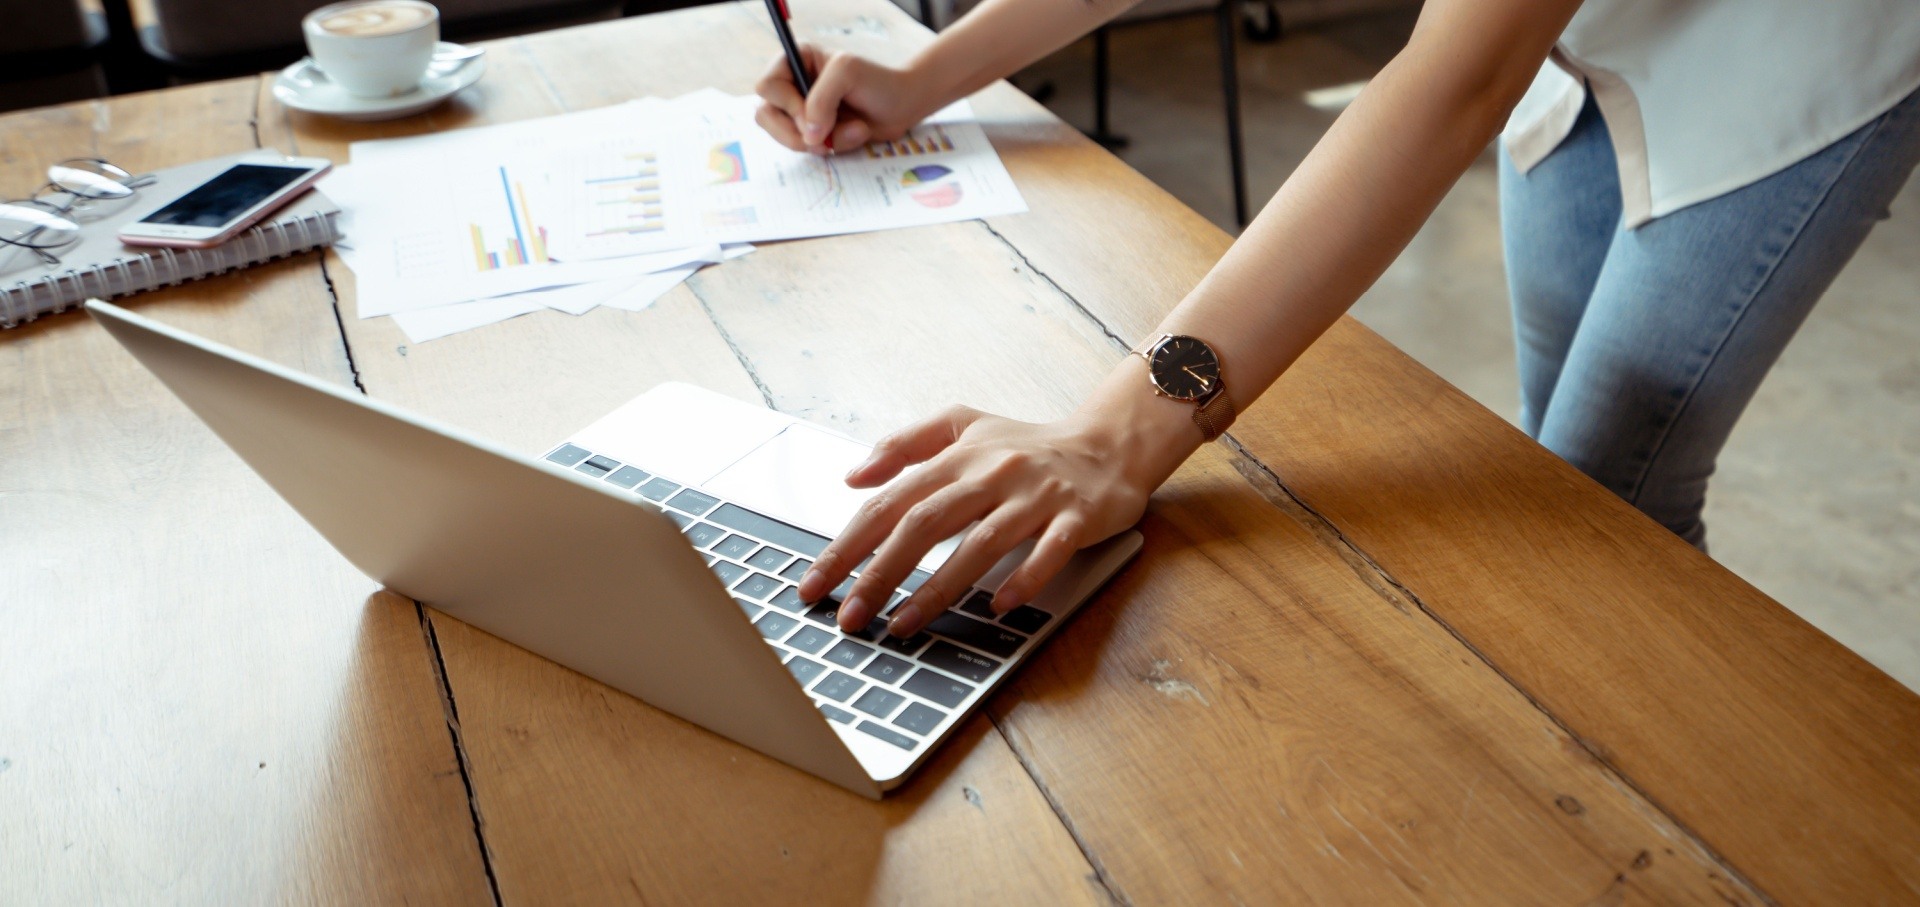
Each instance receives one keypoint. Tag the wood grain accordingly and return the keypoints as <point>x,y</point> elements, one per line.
<point>814,328</point>
<point>588,795</point>
<point>1620,632</point>
<point>1240,717</point>
<point>1718,702</point>
<point>1379,648</point>
<point>201,701</point>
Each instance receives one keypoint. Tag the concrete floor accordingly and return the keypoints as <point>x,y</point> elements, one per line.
<point>1817,498</point>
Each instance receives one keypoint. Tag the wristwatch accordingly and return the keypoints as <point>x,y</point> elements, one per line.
<point>1187,369</point>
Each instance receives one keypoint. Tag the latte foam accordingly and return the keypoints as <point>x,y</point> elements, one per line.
<point>375,19</point>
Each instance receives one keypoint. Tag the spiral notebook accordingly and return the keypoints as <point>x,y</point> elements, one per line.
<point>99,265</point>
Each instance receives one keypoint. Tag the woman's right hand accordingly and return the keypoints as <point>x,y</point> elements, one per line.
<point>854,101</point>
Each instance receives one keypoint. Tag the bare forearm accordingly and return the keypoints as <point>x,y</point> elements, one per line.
<point>1000,37</point>
<point>1347,211</point>
<point>1336,224</point>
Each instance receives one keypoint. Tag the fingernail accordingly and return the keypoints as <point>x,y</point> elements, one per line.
<point>906,620</point>
<point>1003,601</point>
<point>813,134</point>
<point>853,609</point>
<point>810,584</point>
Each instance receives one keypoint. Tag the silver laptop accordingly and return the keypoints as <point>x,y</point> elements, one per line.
<point>656,551</point>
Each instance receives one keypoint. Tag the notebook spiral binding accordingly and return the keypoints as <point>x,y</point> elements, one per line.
<point>47,294</point>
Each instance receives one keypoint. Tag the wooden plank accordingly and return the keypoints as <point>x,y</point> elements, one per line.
<point>1791,757</point>
<point>1080,195</point>
<point>1795,758</point>
<point>807,320</point>
<point>202,701</point>
<point>589,795</point>
<point>1241,717</point>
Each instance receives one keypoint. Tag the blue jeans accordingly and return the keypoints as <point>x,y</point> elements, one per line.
<point>1639,349</point>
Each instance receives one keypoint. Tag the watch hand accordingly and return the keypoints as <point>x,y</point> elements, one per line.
<point>1204,380</point>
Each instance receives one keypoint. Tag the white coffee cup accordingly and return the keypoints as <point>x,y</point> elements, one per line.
<point>373,48</point>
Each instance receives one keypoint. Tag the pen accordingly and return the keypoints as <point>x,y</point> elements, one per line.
<point>778,10</point>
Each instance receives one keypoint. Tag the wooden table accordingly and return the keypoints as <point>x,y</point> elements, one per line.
<point>1380,647</point>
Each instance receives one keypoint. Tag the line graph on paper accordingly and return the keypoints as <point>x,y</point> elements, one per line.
<point>833,189</point>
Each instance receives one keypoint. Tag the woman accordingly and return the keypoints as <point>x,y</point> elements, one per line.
<point>1680,181</point>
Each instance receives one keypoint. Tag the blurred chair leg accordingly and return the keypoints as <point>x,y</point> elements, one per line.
<point>926,15</point>
<point>1230,88</point>
<point>125,62</point>
<point>1101,72</point>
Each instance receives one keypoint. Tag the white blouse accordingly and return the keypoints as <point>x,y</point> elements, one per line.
<point>1702,97</point>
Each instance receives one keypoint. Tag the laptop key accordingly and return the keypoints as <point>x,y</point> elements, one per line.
<point>703,534</point>
<point>849,654</point>
<point>839,686</point>
<point>875,631</point>
<point>929,685</point>
<point>878,702</point>
<point>969,632</point>
<point>979,604</point>
<point>791,538</point>
<point>628,477</point>
<point>796,569</point>
<point>843,590</point>
<point>774,625</point>
<point>906,646</point>
<point>757,586</point>
<point>805,669</point>
<point>597,466</point>
<point>914,580</point>
<point>693,502</point>
<point>728,571</point>
<point>920,719</point>
<point>812,639</point>
<point>788,599</point>
<point>837,714</point>
<point>736,547</point>
<point>679,519</point>
<point>1026,619</point>
<point>826,612</point>
<point>887,669</point>
<point>752,609</point>
<point>569,455</point>
<point>657,489</point>
<point>957,661</point>
<point>888,734</point>
<point>769,559</point>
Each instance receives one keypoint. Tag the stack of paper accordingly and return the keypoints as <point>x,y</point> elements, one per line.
<point>616,206</point>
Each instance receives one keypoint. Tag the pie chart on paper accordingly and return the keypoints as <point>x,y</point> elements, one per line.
<point>932,185</point>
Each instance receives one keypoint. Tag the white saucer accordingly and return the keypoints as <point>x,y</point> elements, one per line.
<point>303,86</point>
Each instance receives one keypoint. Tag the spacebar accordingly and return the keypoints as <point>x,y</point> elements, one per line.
<point>769,530</point>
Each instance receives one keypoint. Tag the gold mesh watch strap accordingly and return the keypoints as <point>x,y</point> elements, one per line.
<point>1215,415</point>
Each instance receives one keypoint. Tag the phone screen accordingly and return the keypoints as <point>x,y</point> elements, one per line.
<point>226,196</point>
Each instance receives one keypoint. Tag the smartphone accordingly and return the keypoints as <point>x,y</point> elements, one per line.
<point>218,209</point>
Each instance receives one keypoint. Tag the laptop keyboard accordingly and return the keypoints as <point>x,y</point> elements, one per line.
<point>901,691</point>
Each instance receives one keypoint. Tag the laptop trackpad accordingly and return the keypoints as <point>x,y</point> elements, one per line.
<point>800,476</point>
<point>797,476</point>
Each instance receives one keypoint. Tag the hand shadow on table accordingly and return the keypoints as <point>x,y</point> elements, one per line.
<point>582,788</point>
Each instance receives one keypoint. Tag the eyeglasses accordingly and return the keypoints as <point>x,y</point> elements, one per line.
<point>74,190</point>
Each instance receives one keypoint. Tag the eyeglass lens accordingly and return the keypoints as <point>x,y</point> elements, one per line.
<point>47,220</point>
<point>91,178</point>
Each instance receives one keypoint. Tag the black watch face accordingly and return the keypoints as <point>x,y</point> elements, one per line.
<point>1184,367</point>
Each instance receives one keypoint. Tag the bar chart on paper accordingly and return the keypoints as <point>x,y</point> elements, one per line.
<point>623,190</point>
<point>931,139</point>
<point>525,243</point>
